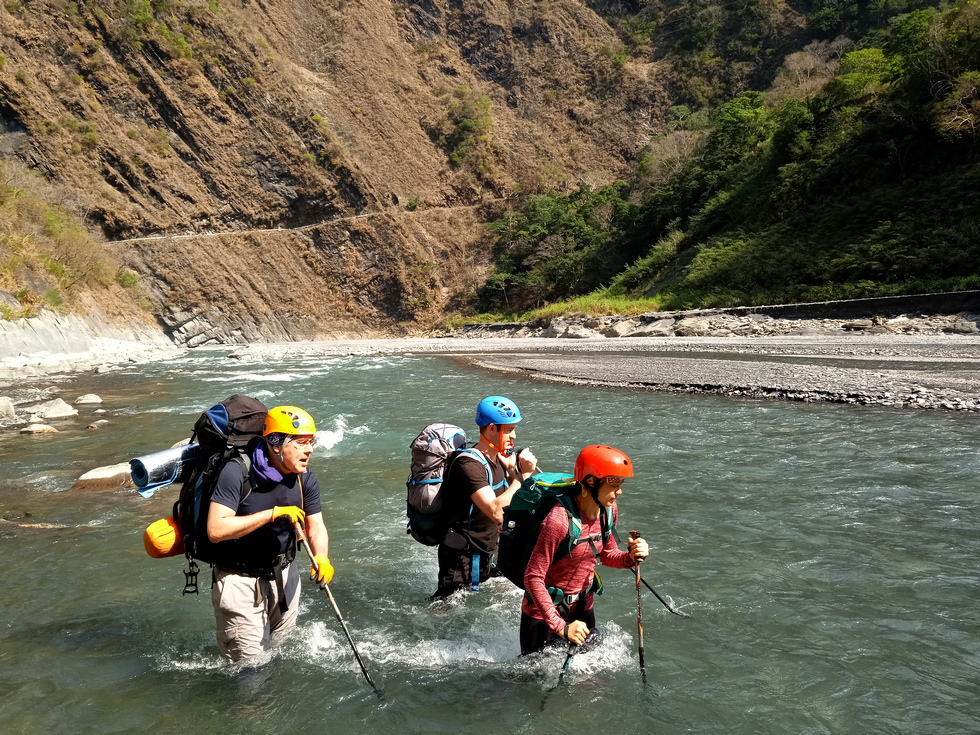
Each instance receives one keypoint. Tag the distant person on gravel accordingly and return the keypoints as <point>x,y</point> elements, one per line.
<point>560,586</point>
<point>477,493</point>
<point>257,601</point>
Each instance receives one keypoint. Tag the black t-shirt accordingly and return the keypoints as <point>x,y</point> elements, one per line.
<point>466,475</point>
<point>255,552</point>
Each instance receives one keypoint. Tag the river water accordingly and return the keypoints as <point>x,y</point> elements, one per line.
<point>826,555</point>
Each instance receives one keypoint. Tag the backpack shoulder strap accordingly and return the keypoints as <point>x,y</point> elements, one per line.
<point>609,528</point>
<point>245,462</point>
<point>574,527</point>
<point>474,452</point>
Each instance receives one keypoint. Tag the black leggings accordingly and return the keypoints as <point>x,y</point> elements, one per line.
<point>535,633</point>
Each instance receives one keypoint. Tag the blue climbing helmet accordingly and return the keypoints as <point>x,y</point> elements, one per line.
<point>497,410</point>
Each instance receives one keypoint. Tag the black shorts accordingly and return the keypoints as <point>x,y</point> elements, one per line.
<point>535,633</point>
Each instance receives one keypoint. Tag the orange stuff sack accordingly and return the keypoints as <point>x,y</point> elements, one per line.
<point>163,538</point>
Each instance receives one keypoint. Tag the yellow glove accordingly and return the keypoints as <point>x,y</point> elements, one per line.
<point>295,513</point>
<point>326,569</point>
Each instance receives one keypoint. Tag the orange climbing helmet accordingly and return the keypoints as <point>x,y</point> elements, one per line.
<point>288,420</point>
<point>601,461</point>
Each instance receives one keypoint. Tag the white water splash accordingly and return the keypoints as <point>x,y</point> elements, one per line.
<point>255,377</point>
<point>327,439</point>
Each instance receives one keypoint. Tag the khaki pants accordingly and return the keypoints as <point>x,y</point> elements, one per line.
<point>247,614</point>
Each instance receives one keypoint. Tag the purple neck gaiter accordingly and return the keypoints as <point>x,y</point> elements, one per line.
<point>263,468</point>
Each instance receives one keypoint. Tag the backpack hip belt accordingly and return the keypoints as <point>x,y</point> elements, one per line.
<point>280,565</point>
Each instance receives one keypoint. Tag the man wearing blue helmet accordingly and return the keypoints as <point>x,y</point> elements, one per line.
<point>479,484</point>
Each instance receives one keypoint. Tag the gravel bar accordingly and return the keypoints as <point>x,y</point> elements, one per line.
<point>902,371</point>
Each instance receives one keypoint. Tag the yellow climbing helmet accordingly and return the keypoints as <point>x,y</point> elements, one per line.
<point>288,420</point>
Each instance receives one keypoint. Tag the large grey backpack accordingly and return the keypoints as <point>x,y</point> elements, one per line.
<point>431,451</point>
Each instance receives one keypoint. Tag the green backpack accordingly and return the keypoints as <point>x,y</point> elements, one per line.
<point>522,522</point>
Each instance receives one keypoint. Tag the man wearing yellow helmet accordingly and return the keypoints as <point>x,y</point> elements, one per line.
<point>256,592</point>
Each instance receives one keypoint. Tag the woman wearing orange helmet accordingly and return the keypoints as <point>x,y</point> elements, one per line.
<point>560,577</point>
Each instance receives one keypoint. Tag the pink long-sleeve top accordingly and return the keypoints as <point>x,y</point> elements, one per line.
<point>572,573</point>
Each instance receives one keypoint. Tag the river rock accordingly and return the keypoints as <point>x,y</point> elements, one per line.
<point>87,398</point>
<point>554,329</point>
<point>692,327</point>
<point>577,331</point>
<point>659,328</point>
<point>962,327</point>
<point>7,410</point>
<point>111,477</point>
<point>38,429</point>
<point>619,328</point>
<point>54,409</point>
<point>98,424</point>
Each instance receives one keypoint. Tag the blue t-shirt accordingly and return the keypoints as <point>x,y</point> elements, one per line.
<point>256,552</point>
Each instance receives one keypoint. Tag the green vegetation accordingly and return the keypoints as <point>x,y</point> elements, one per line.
<point>465,132</point>
<point>168,24</point>
<point>319,138</point>
<point>43,243</point>
<point>555,247</point>
<point>853,175</point>
<point>127,279</point>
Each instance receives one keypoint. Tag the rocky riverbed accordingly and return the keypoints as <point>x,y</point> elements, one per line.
<point>903,361</point>
<point>718,323</point>
<point>920,371</point>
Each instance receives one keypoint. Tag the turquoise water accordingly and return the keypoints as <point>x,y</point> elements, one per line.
<point>827,557</point>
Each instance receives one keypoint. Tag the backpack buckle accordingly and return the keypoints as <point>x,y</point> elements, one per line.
<point>190,579</point>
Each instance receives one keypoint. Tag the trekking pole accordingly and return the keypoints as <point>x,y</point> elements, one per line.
<point>639,615</point>
<point>568,658</point>
<point>301,536</point>
<point>663,601</point>
<point>561,676</point>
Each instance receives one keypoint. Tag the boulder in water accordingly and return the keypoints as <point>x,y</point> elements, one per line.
<point>87,398</point>
<point>7,410</point>
<point>112,477</point>
<point>54,409</point>
<point>38,429</point>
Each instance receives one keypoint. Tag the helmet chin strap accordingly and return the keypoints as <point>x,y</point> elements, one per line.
<point>492,445</point>
<point>593,488</point>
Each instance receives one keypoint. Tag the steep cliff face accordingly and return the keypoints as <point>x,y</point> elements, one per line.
<point>226,117</point>
<point>368,275</point>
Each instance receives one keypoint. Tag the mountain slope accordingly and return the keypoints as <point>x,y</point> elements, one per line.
<point>197,117</point>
